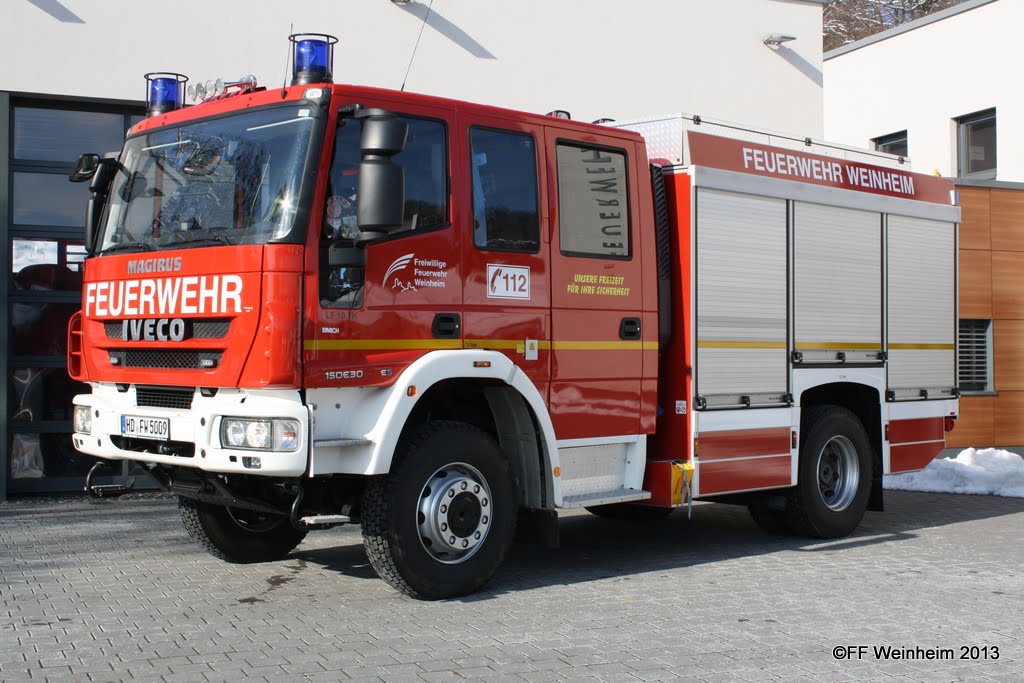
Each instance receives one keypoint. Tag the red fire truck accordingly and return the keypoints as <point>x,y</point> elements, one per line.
<point>323,304</point>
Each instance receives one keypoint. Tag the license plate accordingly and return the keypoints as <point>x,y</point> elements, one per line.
<point>155,428</point>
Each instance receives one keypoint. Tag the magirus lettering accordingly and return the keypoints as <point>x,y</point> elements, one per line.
<point>154,265</point>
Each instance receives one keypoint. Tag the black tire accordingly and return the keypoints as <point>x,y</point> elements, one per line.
<point>834,475</point>
<point>629,511</point>
<point>238,536</point>
<point>771,521</point>
<point>403,514</point>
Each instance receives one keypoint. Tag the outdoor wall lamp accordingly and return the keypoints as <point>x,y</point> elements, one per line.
<point>776,39</point>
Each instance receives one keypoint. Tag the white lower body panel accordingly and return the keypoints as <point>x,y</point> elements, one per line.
<point>198,426</point>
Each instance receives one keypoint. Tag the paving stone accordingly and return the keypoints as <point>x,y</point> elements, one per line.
<point>112,591</point>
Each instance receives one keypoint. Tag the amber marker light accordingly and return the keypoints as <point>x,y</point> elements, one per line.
<point>481,364</point>
<point>411,391</point>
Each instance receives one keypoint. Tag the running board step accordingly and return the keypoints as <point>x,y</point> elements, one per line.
<point>321,520</point>
<point>341,443</point>
<point>109,490</point>
<point>604,498</point>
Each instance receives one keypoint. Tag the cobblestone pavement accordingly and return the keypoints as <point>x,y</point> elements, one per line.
<point>111,590</point>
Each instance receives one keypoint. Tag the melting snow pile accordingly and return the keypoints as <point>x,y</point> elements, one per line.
<point>987,472</point>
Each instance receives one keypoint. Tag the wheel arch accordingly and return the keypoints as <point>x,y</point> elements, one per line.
<point>503,412</point>
<point>477,386</point>
<point>864,401</point>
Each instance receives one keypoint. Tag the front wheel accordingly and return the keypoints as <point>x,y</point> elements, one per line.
<point>238,536</point>
<point>834,475</point>
<point>439,524</point>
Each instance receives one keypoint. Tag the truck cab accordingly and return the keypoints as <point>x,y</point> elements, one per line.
<point>305,303</point>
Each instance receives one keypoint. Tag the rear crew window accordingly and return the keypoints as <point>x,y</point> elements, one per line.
<point>593,202</point>
<point>505,205</point>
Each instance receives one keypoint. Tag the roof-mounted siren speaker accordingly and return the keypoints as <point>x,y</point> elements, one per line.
<point>165,91</point>
<point>312,58</point>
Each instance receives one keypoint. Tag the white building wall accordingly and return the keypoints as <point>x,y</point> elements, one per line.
<point>923,79</point>
<point>599,58</point>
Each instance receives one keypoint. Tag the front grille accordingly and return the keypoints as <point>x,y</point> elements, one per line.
<point>202,328</point>
<point>165,359</point>
<point>210,329</point>
<point>164,397</point>
<point>180,449</point>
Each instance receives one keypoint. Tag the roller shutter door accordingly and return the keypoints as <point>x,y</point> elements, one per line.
<point>741,299</point>
<point>837,258</point>
<point>921,319</point>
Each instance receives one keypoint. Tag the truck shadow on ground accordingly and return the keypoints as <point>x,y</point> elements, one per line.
<point>594,548</point>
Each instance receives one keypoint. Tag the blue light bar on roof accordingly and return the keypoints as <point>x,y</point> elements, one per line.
<point>313,58</point>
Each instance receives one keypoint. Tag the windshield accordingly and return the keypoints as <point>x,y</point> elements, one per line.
<point>231,180</point>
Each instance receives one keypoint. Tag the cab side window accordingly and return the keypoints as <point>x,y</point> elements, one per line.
<point>593,202</point>
<point>505,204</point>
<point>425,161</point>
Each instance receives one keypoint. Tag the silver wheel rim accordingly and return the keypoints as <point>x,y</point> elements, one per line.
<point>838,473</point>
<point>454,513</point>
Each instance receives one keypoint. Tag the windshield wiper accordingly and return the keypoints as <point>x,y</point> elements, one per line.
<point>213,239</point>
<point>137,246</point>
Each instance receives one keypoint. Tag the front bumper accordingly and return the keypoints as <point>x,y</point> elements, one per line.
<point>194,436</point>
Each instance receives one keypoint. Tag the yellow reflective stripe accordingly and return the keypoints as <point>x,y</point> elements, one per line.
<point>503,344</point>
<point>921,347</point>
<point>517,345</point>
<point>598,345</point>
<point>839,346</point>
<point>379,344</point>
<point>733,344</point>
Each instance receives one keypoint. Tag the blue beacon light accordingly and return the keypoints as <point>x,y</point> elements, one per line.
<point>165,91</point>
<point>313,58</point>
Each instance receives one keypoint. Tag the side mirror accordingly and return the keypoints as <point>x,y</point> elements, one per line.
<point>102,174</point>
<point>85,168</point>
<point>381,187</point>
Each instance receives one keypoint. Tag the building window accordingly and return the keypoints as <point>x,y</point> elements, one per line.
<point>975,355</point>
<point>976,145</point>
<point>894,143</point>
<point>43,234</point>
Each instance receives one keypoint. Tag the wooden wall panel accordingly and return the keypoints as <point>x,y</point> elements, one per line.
<point>1009,419</point>
<point>975,215</point>
<point>1008,357</point>
<point>1007,220</point>
<point>975,284</point>
<point>1008,284</point>
<point>975,428</point>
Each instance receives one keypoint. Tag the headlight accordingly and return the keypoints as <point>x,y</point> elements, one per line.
<point>83,419</point>
<point>260,435</point>
<point>286,435</point>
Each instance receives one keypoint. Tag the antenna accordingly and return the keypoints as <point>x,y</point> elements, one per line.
<point>417,45</point>
<point>287,62</point>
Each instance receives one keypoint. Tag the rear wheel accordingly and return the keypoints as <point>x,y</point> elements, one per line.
<point>439,524</point>
<point>834,475</point>
<point>239,536</point>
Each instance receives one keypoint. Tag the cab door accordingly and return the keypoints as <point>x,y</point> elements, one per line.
<point>597,317</point>
<point>398,298</point>
<point>506,296</point>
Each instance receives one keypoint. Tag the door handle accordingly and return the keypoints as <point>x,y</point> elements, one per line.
<point>629,328</point>
<point>446,326</point>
